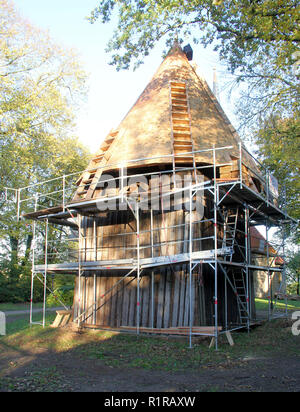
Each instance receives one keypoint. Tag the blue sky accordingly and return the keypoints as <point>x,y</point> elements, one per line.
<point>111,93</point>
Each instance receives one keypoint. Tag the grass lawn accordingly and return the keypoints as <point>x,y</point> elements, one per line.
<point>263,304</point>
<point>6,307</point>
<point>37,359</point>
<point>122,350</point>
<point>21,325</point>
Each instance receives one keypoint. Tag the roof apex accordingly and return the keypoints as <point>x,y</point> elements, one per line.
<point>176,49</point>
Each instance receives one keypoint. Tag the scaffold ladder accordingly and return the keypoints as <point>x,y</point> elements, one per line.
<point>182,141</point>
<point>240,290</point>
<point>230,227</point>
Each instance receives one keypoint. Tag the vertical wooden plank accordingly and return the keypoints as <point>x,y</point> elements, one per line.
<point>125,305</point>
<point>114,299</point>
<point>145,301</point>
<point>167,303</point>
<point>97,296</point>
<point>107,299</point>
<point>91,298</point>
<point>176,294</point>
<point>196,299</point>
<point>75,299</point>
<point>193,297</point>
<point>103,241</point>
<point>101,299</point>
<point>141,297</point>
<point>157,233</point>
<point>157,275</point>
<point>186,299</point>
<point>202,296</point>
<point>88,240</point>
<point>174,220</point>
<point>160,305</point>
<point>108,279</point>
<point>132,303</point>
<point>100,234</point>
<point>119,303</point>
<point>182,295</point>
<point>87,302</point>
<point>148,237</point>
<point>83,294</point>
<point>143,236</point>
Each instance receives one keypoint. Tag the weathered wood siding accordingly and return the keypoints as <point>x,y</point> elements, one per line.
<point>113,236</point>
<point>171,304</point>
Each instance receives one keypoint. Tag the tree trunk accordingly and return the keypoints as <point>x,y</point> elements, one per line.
<point>28,248</point>
<point>14,244</point>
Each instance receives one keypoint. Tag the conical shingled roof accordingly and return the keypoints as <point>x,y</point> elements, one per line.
<point>145,132</point>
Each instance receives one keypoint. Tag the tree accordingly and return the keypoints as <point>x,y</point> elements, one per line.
<point>240,27</point>
<point>294,272</point>
<point>259,40</point>
<point>41,86</point>
<point>278,142</point>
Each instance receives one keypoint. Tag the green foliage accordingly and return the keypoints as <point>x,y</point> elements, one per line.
<point>15,284</point>
<point>294,272</point>
<point>239,28</point>
<point>259,41</point>
<point>293,288</point>
<point>41,86</point>
<point>63,291</point>
<point>278,142</point>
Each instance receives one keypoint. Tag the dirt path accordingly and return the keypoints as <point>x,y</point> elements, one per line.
<point>35,359</point>
<point>39,370</point>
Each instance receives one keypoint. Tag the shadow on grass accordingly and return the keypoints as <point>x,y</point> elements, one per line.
<point>36,359</point>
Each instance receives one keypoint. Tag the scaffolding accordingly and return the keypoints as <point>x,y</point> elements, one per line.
<point>49,202</point>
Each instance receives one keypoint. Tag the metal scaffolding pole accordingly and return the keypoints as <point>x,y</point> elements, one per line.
<point>226,303</point>
<point>190,268</point>
<point>216,248</point>
<point>95,277</point>
<point>152,272</point>
<point>45,272</point>
<point>246,210</point>
<point>269,283</point>
<point>64,192</point>
<point>33,262</point>
<point>95,299</point>
<point>284,257</point>
<point>240,165</point>
<point>79,269</point>
<point>284,274</point>
<point>138,269</point>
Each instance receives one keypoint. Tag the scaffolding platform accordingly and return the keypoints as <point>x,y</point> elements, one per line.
<point>127,264</point>
<point>261,208</point>
<point>258,207</point>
